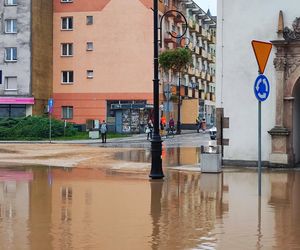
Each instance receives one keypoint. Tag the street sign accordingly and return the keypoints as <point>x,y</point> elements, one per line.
<point>262,51</point>
<point>50,105</point>
<point>261,88</point>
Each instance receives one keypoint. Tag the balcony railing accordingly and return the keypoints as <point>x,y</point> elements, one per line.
<point>203,32</point>
<point>169,38</point>
<point>208,77</point>
<point>213,59</point>
<point>192,24</point>
<point>214,39</point>
<point>191,70</point>
<point>203,53</point>
<point>213,78</point>
<point>209,57</point>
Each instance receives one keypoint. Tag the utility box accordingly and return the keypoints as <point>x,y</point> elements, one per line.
<point>211,159</point>
<point>94,134</point>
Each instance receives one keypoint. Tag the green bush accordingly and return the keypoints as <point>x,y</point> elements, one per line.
<point>33,128</point>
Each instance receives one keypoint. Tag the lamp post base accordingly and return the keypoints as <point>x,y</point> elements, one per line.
<point>156,164</point>
<point>178,131</point>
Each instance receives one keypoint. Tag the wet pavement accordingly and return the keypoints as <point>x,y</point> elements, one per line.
<point>56,208</point>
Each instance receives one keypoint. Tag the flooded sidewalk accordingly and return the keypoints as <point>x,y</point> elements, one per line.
<point>75,208</point>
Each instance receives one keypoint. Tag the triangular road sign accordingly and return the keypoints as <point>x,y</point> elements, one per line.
<point>262,51</point>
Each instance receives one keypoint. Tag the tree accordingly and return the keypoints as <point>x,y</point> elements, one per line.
<point>175,59</point>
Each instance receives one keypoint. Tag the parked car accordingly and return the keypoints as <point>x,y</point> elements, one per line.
<point>213,133</point>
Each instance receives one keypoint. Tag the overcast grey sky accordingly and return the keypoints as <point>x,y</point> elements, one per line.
<point>208,4</point>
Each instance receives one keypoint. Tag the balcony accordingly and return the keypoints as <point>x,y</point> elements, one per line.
<point>209,58</point>
<point>213,78</point>
<point>191,46</point>
<point>192,25</point>
<point>203,75</point>
<point>202,94</point>
<point>190,92</point>
<point>182,90</point>
<point>214,39</point>
<point>208,77</point>
<point>197,28</point>
<point>203,33</point>
<point>209,38</point>
<point>169,38</point>
<point>207,96</point>
<point>178,19</point>
<point>212,97</point>
<point>197,73</point>
<point>213,59</point>
<point>191,70</point>
<point>197,50</point>
<point>203,53</point>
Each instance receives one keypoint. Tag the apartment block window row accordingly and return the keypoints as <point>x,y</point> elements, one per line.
<point>67,112</point>
<point>10,2</point>
<point>67,49</point>
<point>67,23</point>
<point>10,54</point>
<point>67,77</point>
<point>11,26</point>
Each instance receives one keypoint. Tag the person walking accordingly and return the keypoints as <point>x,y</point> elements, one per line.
<point>149,129</point>
<point>198,124</point>
<point>171,125</point>
<point>203,125</point>
<point>103,131</point>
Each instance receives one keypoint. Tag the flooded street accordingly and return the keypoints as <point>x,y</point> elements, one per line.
<point>75,208</point>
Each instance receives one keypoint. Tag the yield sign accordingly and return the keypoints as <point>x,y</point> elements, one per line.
<point>262,51</point>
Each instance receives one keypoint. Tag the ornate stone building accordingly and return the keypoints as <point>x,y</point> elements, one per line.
<point>236,73</point>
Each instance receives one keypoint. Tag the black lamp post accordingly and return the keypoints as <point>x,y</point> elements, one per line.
<point>156,142</point>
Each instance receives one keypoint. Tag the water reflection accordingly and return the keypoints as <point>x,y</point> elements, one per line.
<point>51,208</point>
<point>170,156</point>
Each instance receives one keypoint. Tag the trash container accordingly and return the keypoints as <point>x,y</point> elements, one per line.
<point>211,159</point>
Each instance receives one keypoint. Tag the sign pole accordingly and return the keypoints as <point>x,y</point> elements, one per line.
<point>259,148</point>
<point>50,127</point>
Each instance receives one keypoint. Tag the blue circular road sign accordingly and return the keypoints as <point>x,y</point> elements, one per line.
<point>261,88</point>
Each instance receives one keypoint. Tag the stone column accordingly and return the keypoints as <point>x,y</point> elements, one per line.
<point>279,133</point>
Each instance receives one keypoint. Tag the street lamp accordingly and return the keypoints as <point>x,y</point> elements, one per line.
<point>156,142</point>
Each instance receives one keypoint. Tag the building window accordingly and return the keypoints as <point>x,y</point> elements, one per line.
<point>12,110</point>
<point>89,46</point>
<point>90,74</point>
<point>67,77</point>
<point>67,49</point>
<point>10,83</point>
<point>10,2</point>
<point>67,23</point>
<point>89,20</point>
<point>11,26</point>
<point>10,54</point>
<point>67,112</point>
<point>66,1</point>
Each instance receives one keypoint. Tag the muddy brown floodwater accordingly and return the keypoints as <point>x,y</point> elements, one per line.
<point>77,208</point>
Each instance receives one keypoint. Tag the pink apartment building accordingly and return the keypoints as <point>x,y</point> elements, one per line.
<point>102,62</point>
